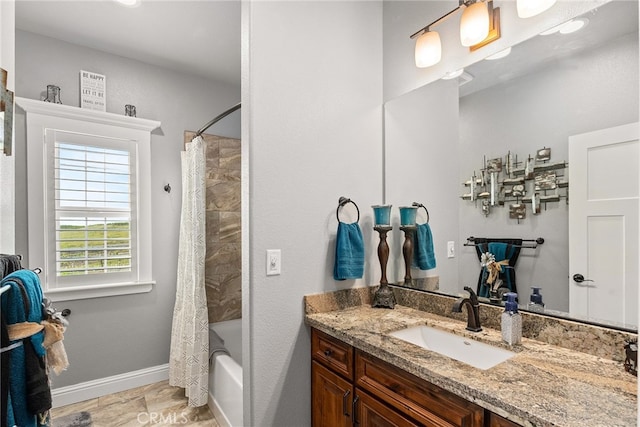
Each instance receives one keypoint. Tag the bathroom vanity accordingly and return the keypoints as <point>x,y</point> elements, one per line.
<point>362,375</point>
<point>350,386</point>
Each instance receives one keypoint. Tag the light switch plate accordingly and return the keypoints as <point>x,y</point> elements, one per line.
<point>273,262</point>
<point>451,249</point>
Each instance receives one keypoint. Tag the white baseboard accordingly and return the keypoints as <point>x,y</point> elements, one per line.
<point>101,387</point>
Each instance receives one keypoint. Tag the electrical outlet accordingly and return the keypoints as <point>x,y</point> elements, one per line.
<point>451,249</point>
<point>273,262</point>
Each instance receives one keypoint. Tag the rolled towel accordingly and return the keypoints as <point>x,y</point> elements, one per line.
<point>349,261</point>
<point>424,257</point>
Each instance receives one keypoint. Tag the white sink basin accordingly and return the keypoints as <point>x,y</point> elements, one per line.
<point>471,352</point>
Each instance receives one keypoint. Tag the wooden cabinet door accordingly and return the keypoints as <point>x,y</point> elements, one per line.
<point>370,412</point>
<point>331,398</point>
<point>498,421</point>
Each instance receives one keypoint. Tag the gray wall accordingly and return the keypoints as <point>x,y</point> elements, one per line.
<point>312,78</point>
<point>115,335</point>
<point>594,90</point>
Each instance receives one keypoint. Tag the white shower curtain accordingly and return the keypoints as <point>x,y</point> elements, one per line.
<point>189,357</point>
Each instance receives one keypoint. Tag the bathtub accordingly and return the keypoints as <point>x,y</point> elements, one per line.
<point>225,375</point>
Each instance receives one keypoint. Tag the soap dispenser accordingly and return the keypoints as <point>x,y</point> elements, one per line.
<point>535,301</point>
<point>511,321</point>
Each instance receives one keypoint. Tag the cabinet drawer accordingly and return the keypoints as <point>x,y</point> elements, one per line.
<point>371,413</point>
<point>332,353</point>
<point>428,404</point>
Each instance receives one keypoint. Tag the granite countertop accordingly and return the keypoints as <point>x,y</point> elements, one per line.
<point>542,385</point>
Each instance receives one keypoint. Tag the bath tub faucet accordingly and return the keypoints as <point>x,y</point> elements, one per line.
<point>473,310</point>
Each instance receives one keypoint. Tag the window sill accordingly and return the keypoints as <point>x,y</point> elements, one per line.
<point>87,292</point>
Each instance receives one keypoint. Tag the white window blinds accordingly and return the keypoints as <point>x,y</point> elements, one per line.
<point>93,217</point>
<point>93,209</point>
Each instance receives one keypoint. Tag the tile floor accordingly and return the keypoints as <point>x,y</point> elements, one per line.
<point>151,405</point>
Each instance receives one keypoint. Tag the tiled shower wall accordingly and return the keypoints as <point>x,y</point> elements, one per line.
<point>223,260</point>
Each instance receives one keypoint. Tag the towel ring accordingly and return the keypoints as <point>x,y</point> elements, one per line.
<point>420,205</point>
<point>343,201</point>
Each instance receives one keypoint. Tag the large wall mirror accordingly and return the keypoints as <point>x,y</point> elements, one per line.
<point>549,89</point>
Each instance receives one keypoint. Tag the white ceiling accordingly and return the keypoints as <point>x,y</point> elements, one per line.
<point>197,37</point>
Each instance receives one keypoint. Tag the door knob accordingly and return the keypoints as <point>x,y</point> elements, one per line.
<point>579,278</point>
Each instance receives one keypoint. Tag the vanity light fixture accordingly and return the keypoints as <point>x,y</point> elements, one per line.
<point>474,24</point>
<point>479,25</point>
<point>428,49</point>
<point>529,8</point>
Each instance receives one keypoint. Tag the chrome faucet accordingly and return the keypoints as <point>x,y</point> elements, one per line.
<point>473,310</point>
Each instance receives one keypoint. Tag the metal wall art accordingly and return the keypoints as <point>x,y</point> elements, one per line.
<point>521,185</point>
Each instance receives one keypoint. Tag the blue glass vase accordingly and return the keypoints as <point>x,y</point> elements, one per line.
<point>382,214</point>
<point>408,215</point>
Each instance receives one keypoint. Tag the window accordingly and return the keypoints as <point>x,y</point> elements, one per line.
<point>95,219</point>
<point>89,200</point>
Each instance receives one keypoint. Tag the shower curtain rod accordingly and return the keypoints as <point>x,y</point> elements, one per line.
<point>218,118</point>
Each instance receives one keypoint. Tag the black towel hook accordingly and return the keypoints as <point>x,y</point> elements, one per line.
<point>343,201</point>
<point>420,205</point>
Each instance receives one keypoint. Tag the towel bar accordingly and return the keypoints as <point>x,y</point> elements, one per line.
<point>420,205</point>
<point>527,243</point>
<point>343,201</point>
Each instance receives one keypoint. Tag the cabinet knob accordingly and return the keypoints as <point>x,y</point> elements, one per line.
<point>328,352</point>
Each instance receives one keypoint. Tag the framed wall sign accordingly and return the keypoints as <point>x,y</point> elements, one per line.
<point>93,91</point>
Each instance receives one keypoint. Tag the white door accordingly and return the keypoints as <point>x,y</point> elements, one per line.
<point>603,224</point>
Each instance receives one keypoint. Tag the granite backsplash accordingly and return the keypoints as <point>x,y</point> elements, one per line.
<point>595,340</point>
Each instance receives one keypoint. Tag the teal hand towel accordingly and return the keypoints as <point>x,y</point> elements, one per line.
<point>424,257</point>
<point>349,262</point>
<point>501,251</point>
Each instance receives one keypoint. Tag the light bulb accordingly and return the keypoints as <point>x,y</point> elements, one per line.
<point>529,8</point>
<point>474,24</point>
<point>428,49</point>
